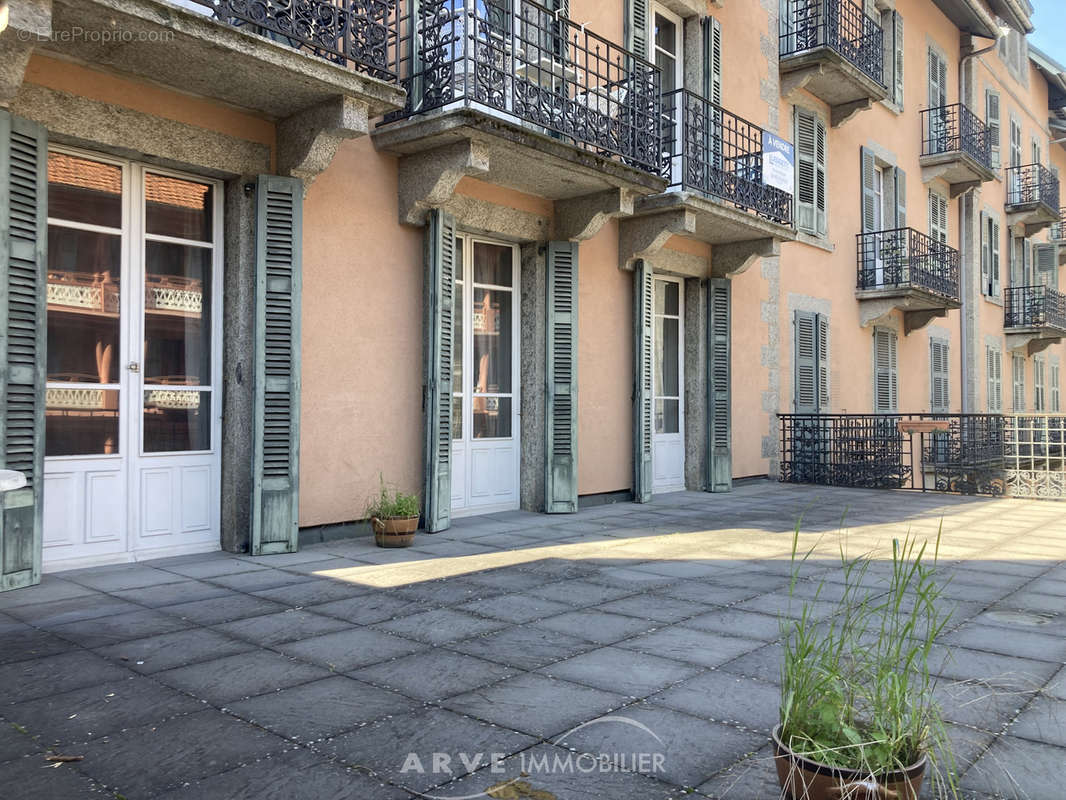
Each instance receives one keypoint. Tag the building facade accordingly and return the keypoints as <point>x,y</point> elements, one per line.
<point>504,254</point>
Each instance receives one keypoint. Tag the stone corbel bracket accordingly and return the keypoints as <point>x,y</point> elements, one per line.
<point>734,258</point>
<point>838,114</point>
<point>879,312</point>
<point>580,218</point>
<point>643,237</point>
<point>1032,342</point>
<point>428,179</point>
<point>308,140</point>
<point>28,23</point>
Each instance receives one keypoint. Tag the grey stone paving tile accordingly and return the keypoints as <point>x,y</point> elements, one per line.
<point>692,749</point>
<point>753,778</point>
<point>257,581</point>
<point>597,626</point>
<point>15,743</point>
<point>691,646</point>
<point>549,771</point>
<point>50,589</point>
<point>169,594</point>
<point>697,569</point>
<point>523,646</point>
<point>627,577</point>
<point>707,592</point>
<point>996,639</point>
<point>959,663</point>
<point>226,608</point>
<point>329,569</point>
<point>124,576</point>
<point>449,549</point>
<point>447,592</point>
<point>966,745</point>
<point>285,626</point>
<point>723,697</point>
<point>36,779</point>
<point>1056,687</point>
<point>350,649</point>
<point>624,671</point>
<point>314,592</point>
<point>580,593</point>
<point>291,775</point>
<point>1056,587</point>
<point>232,678</point>
<point>384,746</point>
<point>440,625</point>
<point>515,607</point>
<point>434,674</point>
<point>305,555</point>
<point>978,705</point>
<point>735,622</point>
<point>85,714</point>
<point>780,604</point>
<point>322,708</point>
<point>763,664</point>
<point>28,680</point>
<point>1033,601</point>
<point>559,568</point>
<point>20,642</point>
<point>535,704</point>
<point>1018,768</point>
<point>102,631</point>
<point>141,762</point>
<point>60,612</point>
<point>170,650</point>
<point>1043,721</point>
<point>509,579</point>
<point>370,608</point>
<point>213,567</point>
<point>655,607</point>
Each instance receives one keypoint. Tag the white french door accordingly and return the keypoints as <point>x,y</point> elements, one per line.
<point>485,378</point>
<point>668,438</point>
<point>667,46</point>
<point>878,225</point>
<point>133,401</point>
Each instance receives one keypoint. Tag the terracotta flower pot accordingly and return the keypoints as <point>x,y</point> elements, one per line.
<point>394,531</point>
<point>804,779</point>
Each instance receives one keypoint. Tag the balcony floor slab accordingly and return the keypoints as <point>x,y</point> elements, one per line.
<point>832,79</point>
<point>961,170</point>
<point>1034,216</point>
<point>919,306</point>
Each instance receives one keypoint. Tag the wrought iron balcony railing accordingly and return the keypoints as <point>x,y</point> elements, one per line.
<point>858,450</point>
<point>841,25</point>
<point>713,151</point>
<point>1058,230</point>
<point>522,61</point>
<point>1034,307</point>
<point>1033,183</point>
<point>905,258</point>
<point>956,129</point>
<point>358,34</point>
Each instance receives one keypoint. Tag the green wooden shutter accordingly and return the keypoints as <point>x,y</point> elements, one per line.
<point>437,318</point>
<point>869,190</point>
<point>899,178</point>
<point>719,372</point>
<point>805,358</point>
<point>938,80</point>
<point>992,120</point>
<point>643,321</point>
<point>712,59</point>
<point>561,403</point>
<point>822,328</point>
<point>636,27</point>
<point>276,449</point>
<point>939,386</point>
<point>1018,378</point>
<point>986,254</point>
<point>1046,261</point>
<point>994,243</point>
<point>810,172</point>
<point>897,58</point>
<point>23,280</point>
<point>886,380</point>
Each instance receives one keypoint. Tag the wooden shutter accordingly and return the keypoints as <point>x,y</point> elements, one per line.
<point>999,379</point>
<point>636,27</point>
<point>897,58</point>
<point>23,265</point>
<point>823,362</point>
<point>1015,143</point>
<point>1055,397</point>
<point>712,59</point>
<point>938,80</point>
<point>992,120</point>
<point>561,402</point>
<point>869,190</point>
<point>1038,384</point>
<point>986,254</point>
<point>994,243</point>
<point>719,373</point>
<point>886,381</point>
<point>1018,379</point>
<point>438,310</point>
<point>810,173</point>
<point>276,449</point>
<point>939,376</point>
<point>1046,262</point>
<point>990,372</point>
<point>805,358</point>
<point>938,217</point>
<point>643,396</point>
<point>899,179</point>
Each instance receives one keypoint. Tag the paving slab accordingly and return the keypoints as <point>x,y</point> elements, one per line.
<point>33,777</point>
<point>347,650</point>
<point>285,626</point>
<point>1044,720</point>
<point>515,607</point>
<point>434,674</point>
<point>691,646</point>
<point>614,669</point>
<point>170,650</point>
<point>600,627</point>
<point>723,697</point>
<point>22,642</point>
<point>523,646</point>
<point>224,608</point>
<point>102,631</point>
<point>170,594</point>
<point>232,678</point>
<point>28,680</point>
<point>441,625</point>
<point>1014,767</point>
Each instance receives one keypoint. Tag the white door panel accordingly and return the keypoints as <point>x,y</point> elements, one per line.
<point>668,436</point>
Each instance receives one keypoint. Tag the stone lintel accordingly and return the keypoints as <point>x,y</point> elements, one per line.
<point>644,237</point>
<point>428,179</point>
<point>676,262</point>
<point>734,258</point>
<point>308,140</point>
<point>581,218</point>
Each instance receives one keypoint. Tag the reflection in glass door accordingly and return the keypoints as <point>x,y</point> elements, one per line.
<point>131,423</point>
<point>668,441</point>
<point>485,378</point>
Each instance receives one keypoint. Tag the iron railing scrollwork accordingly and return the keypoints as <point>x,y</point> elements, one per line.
<point>1058,230</point>
<point>1032,183</point>
<point>710,150</point>
<point>841,25</point>
<point>1034,307</point>
<point>906,258</point>
<point>523,61</point>
<point>956,129</point>
<point>860,451</point>
<point>360,34</point>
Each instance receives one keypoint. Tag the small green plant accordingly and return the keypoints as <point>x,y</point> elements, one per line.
<point>389,503</point>
<point>856,689</point>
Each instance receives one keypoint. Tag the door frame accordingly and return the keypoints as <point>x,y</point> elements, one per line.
<point>680,282</point>
<point>130,456</point>
<point>469,239</point>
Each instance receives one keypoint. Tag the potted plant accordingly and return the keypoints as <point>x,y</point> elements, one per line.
<point>858,716</point>
<point>394,517</point>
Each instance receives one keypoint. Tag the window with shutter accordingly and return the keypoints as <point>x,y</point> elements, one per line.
<point>992,120</point>
<point>899,179</point>
<point>810,137</point>
<point>872,188</point>
<point>561,401</point>
<point>938,80</point>
<point>712,59</point>
<point>276,449</point>
<point>1054,381</point>
<point>643,396</point>
<point>994,236</point>
<point>1015,142</point>
<point>939,374</point>
<point>1018,378</point>
<point>811,388</point>
<point>719,371</point>
<point>1046,263</point>
<point>23,276</point>
<point>938,217</point>
<point>986,254</point>
<point>886,380</point>
<point>994,374</point>
<point>1038,385</point>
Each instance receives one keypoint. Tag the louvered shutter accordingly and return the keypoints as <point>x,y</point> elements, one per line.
<point>805,390</point>
<point>1018,379</point>
<point>938,217</point>
<point>940,392</point>
<point>719,372</point>
<point>938,80</point>
<point>886,382</point>
<point>823,363</point>
<point>820,197</point>
<point>1056,401</point>
<point>899,178</point>
<point>276,448</point>
<point>636,27</point>
<point>999,379</point>
<point>897,58</point>
<point>712,59</point>
<point>1038,384</point>
<point>990,386</point>
<point>986,254</point>
<point>1046,261</point>
<point>23,264</point>
<point>869,190</point>
<point>992,121</point>
<point>438,310</point>
<point>994,239</point>
<point>643,398</point>
<point>810,173</point>
<point>561,402</point>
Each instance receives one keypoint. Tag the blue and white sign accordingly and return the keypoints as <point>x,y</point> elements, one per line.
<point>778,162</point>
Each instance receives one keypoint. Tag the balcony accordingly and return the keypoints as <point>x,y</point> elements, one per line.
<point>520,96</point>
<point>905,270</point>
<point>1032,198</point>
<point>1034,317</point>
<point>274,57</point>
<point>835,51</point>
<point>957,147</point>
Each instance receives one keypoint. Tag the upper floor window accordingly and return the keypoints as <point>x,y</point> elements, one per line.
<point>811,187</point>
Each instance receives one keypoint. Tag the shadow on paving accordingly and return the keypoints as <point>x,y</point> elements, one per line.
<point>476,660</point>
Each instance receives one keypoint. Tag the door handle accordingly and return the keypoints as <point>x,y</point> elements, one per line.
<point>133,366</point>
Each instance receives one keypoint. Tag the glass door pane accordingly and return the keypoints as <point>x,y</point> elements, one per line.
<point>667,357</point>
<point>491,323</point>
